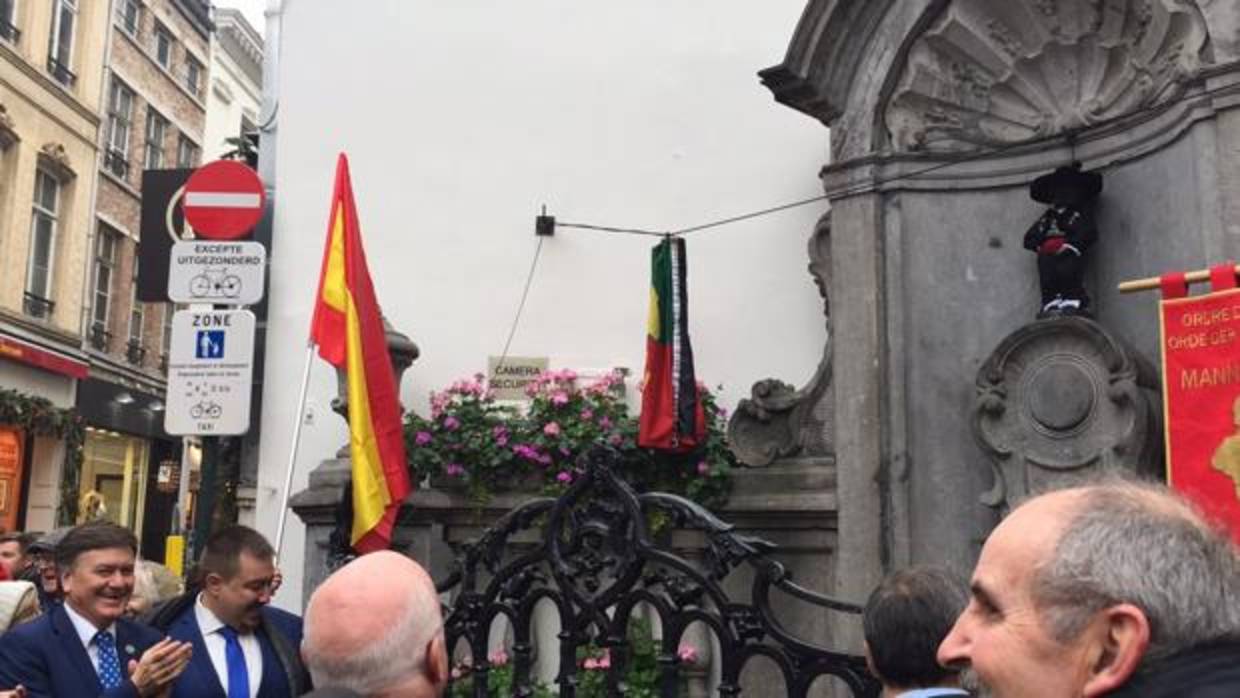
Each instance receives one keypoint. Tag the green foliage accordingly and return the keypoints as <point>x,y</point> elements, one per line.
<point>641,675</point>
<point>477,444</point>
<point>40,417</point>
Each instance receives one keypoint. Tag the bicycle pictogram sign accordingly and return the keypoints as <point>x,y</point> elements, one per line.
<point>215,283</point>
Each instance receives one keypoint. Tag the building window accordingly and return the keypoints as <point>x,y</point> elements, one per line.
<point>135,352</point>
<point>60,44</point>
<point>163,46</point>
<point>130,16</point>
<point>120,118</point>
<point>8,26</point>
<point>156,126</point>
<point>38,298</point>
<point>105,267</point>
<point>193,75</point>
<point>187,152</point>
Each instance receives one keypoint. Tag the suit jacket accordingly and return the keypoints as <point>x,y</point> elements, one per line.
<point>47,657</point>
<point>279,637</point>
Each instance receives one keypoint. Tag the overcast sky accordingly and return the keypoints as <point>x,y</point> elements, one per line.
<point>252,9</point>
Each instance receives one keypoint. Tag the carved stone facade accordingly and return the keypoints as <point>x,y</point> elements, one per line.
<point>778,420</point>
<point>1060,400</point>
<point>990,73</point>
<point>942,113</point>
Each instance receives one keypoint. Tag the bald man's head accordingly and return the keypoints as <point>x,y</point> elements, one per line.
<point>375,627</point>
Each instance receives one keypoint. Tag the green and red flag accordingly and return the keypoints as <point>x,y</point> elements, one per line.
<point>672,417</point>
<point>348,330</point>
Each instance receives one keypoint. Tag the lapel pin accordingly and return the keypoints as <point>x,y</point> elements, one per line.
<point>129,649</point>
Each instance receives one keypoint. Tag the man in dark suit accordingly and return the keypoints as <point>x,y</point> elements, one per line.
<point>84,647</point>
<point>243,648</point>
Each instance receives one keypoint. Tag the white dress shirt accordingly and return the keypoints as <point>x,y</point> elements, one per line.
<point>210,627</point>
<point>86,631</point>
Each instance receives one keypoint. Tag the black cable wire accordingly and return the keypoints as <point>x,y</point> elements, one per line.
<point>875,185</point>
<point>606,229</point>
<point>747,216</point>
<point>529,279</point>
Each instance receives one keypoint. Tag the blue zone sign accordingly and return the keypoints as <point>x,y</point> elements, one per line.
<point>210,344</point>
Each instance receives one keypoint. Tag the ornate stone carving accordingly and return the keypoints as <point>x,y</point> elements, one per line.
<point>1059,400</point>
<point>777,420</point>
<point>8,129</point>
<point>54,157</point>
<point>989,73</point>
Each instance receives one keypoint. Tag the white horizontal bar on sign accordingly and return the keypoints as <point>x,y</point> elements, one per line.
<point>222,199</point>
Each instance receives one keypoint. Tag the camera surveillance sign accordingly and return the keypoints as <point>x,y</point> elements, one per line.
<point>209,372</point>
<point>219,272</point>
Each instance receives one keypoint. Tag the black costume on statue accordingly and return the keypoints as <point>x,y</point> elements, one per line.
<point>1062,236</point>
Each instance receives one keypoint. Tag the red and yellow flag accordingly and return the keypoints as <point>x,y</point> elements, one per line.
<point>672,417</point>
<point>348,330</point>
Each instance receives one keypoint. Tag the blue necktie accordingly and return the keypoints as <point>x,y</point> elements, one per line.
<point>238,675</point>
<point>109,663</point>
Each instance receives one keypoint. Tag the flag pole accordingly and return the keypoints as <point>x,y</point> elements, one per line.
<point>1154,282</point>
<point>292,456</point>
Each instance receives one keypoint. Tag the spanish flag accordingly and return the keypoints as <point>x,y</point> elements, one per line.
<point>348,330</point>
<point>672,418</point>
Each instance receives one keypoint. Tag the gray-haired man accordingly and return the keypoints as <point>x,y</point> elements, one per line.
<point>1117,589</point>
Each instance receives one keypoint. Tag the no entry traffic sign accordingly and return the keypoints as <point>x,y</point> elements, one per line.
<point>223,200</point>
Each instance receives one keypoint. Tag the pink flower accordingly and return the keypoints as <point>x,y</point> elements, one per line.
<point>601,662</point>
<point>451,423</point>
<point>559,398</point>
<point>454,469</point>
<point>687,654</point>
<point>604,422</point>
<point>703,468</point>
<point>564,477</point>
<point>500,434</point>
<point>587,413</point>
<point>498,658</point>
<point>423,438</point>
<point>552,429</point>
<point>615,439</point>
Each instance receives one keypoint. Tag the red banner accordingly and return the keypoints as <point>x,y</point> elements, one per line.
<point>1201,399</point>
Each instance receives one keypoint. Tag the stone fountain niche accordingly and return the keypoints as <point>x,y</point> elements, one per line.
<point>948,399</point>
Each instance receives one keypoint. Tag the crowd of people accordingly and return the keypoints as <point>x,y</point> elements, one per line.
<point>1118,589</point>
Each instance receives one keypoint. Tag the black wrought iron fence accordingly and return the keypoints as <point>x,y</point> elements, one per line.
<point>598,557</point>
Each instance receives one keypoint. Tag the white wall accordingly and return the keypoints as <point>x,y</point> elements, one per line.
<point>461,118</point>
<point>230,95</point>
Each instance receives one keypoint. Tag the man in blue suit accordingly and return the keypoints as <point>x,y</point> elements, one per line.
<point>243,648</point>
<point>84,648</point>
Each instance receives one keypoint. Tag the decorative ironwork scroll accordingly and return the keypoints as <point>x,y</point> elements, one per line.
<point>597,558</point>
